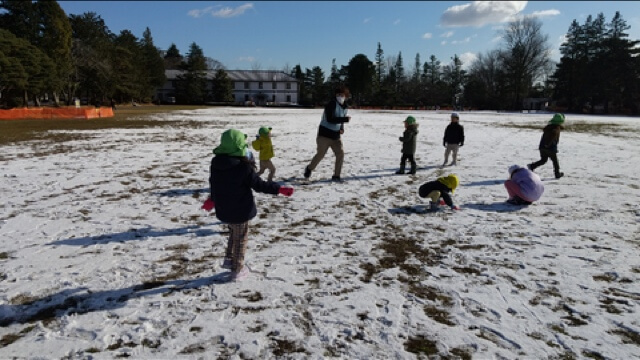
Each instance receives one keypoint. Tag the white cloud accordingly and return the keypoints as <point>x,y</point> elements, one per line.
<point>196,13</point>
<point>545,13</point>
<point>246,59</point>
<point>427,36</point>
<point>366,21</point>
<point>443,42</point>
<point>467,59</point>
<point>221,12</point>
<point>464,41</point>
<point>480,13</point>
<point>396,22</point>
<point>448,34</point>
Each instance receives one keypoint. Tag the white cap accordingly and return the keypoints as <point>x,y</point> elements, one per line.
<point>455,115</point>
<point>513,168</point>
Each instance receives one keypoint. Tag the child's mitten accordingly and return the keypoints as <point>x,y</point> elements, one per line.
<point>208,205</point>
<point>285,190</point>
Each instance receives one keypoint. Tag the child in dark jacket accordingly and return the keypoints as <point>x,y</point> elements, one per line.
<point>408,139</point>
<point>453,139</point>
<point>232,179</point>
<point>440,188</point>
<point>549,145</point>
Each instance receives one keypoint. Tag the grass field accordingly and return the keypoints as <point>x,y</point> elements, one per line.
<point>12,131</point>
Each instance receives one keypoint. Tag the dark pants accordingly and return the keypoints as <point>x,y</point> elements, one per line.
<point>411,159</point>
<point>544,156</point>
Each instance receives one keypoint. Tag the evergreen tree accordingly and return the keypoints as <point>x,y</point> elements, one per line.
<point>222,89</point>
<point>55,40</point>
<point>25,70</point>
<point>192,85</point>
<point>92,57</point>
<point>154,76</point>
<point>172,59</point>
<point>318,87</point>
<point>360,74</point>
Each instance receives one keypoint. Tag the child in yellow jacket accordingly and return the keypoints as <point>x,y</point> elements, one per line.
<point>264,146</point>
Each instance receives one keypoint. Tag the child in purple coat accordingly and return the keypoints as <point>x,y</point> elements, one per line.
<point>524,186</point>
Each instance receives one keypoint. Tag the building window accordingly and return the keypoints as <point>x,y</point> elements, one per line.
<point>273,98</point>
<point>288,86</point>
<point>246,97</point>
<point>260,85</point>
<point>246,85</point>
<point>274,85</point>
<point>288,98</point>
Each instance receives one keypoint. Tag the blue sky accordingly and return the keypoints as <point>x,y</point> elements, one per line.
<point>273,35</point>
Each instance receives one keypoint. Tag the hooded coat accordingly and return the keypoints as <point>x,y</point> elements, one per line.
<point>408,138</point>
<point>233,178</point>
<point>264,146</point>
<point>529,183</point>
<point>550,138</point>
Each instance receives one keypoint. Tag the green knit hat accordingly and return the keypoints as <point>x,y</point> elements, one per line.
<point>410,120</point>
<point>264,130</point>
<point>233,143</point>
<point>557,119</point>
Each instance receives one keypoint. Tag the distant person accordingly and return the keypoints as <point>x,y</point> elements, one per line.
<point>523,186</point>
<point>331,128</point>
<point>408,140</point>
<point>232,179</point>
<point>549,145</point>
<point>264,146</point>
<point>453,139</point>
<point>440,189</point>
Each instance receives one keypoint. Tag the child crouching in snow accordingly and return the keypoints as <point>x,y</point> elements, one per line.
<point>232,179</point>
<point>440,188</point>
<point>523,186</point>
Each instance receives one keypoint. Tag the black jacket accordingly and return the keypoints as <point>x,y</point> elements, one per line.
<point>232,180</point>
<point>453,134</point>
<point>430,186</point>
<point>550,138</point>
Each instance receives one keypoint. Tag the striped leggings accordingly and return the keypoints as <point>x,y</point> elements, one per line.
<point>237,245</point>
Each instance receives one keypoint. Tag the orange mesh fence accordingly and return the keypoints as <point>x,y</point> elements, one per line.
<point>56,113</point>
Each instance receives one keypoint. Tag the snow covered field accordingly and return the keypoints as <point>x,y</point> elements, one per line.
<point>105,252</point>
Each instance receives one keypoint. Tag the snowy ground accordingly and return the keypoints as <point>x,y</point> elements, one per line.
<point>106,253</point>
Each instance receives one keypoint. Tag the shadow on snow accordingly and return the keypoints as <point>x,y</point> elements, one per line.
<point>135,234</point>
<point>82,300</point>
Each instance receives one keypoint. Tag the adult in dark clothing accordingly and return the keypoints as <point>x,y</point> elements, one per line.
<point>331,127</point>
<point>548,146</point>
<point>453,139</point>
<point>232,179</point>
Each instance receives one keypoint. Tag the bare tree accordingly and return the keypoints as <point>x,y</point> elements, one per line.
<point>525,56</point>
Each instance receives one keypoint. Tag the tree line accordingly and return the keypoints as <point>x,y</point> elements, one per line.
<point>45,52</point>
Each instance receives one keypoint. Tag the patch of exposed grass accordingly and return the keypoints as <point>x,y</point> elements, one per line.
<point>627,335</point>
<point>283,347</point>
<point>421,345</point>
<point>609,129</point>
<point>11,338</point>
<point>126,118</point>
